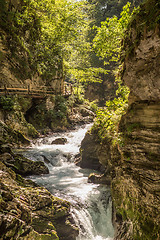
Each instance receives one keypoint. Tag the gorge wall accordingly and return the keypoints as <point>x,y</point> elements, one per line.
<point>133,166</point>
<point>136,184</point>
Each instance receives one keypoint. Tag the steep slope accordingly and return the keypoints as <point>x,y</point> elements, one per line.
<point>22,60</point>
<point>136,183</point>
<point>23,65</point>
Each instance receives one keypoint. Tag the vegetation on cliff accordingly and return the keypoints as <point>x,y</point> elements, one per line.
<point>134,164</point>
<point>113,29</point>
<point>42,43</point>
<point>43,37</point>
<point>48,38</point>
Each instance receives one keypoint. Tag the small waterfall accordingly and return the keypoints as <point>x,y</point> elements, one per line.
<point>94,219</point>
<point>84,221</point>
<point>91,203</point>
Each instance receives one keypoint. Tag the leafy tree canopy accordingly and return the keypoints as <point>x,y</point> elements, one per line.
<point>109,8</point>
<point>52,33</point>
<point>107,44</point>
<point>109,35</point>
<point>55,33</point>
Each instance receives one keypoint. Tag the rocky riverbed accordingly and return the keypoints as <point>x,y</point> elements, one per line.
<point>29,211</point>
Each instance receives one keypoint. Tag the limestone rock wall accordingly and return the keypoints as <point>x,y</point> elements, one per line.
<point>142,71</point>
<point>136,183</point>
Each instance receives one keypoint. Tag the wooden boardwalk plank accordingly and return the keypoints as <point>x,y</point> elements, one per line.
<point>37,93</point>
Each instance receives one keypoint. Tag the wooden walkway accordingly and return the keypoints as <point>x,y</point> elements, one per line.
<point>27,91</point>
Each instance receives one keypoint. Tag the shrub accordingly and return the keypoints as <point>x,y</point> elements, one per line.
<point>7,103</point>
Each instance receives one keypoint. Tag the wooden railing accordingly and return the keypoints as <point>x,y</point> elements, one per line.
<point>27,90</point>
<point>68,89</point>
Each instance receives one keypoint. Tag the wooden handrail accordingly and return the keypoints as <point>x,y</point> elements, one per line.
<point>28,90</point>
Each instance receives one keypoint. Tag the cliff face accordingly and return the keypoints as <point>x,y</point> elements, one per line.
<point>136,183</point>
<point>20,43</point>
<point>133,167</point>
<point>21,58</point>
<point>102,91</point>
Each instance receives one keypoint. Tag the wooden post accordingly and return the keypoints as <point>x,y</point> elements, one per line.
<point>65,90</point>
<point>29,88</point>
<point>5,89</point>
<point>71,87</point>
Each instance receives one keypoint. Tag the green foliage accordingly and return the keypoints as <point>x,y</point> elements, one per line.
<point>61,29</point>
<point>47,36</point>
<point>109,8</point>
<point>109,35</point>
<point>32,131</point>
<point>105,9</point>
<point>93,106</point>
<point>59,113</point>
<point>77,64</point>
<point>107,119</point>
<point>107,44</point>
<point>60,107</point>
<point>7,103</point>
<point>89,75</point>
<point>79,93</point>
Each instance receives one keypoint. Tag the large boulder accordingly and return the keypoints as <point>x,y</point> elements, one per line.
<point>29,212</point>
<point>99,179</point>
<point>60,141</point>
<point>89,152</point>
<point>23,165</point>
<point>97,156</point>
<point>12,136</point>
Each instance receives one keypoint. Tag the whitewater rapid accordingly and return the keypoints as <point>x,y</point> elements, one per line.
<point>91,203</point>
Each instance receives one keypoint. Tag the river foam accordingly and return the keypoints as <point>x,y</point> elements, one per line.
<point>91,203</point>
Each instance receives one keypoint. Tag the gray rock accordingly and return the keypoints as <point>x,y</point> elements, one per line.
<point>99,179</point>
<point>60,141</point>
<point>32,212</point>
<point>23,165</point>
<point>89,152</point>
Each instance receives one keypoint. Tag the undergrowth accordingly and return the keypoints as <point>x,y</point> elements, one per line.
<point>108,117</point>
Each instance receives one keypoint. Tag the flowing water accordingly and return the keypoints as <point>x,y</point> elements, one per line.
<point>91,203</point>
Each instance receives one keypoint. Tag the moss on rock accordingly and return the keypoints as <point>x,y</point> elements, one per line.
<point>29,212</point>
<point>22,165</point>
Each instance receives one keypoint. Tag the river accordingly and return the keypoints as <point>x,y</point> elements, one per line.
<point>91,203</point>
